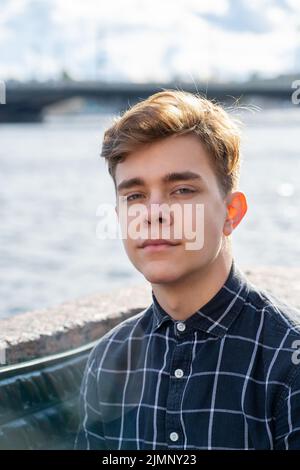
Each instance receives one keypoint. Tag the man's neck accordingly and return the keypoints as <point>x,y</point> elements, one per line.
<point>182,299</point>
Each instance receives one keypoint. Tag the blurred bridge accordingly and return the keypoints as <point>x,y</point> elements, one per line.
<point>28,101</point>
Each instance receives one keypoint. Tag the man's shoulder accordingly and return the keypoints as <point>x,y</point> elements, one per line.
<point>279,317</point>
<point>272,325</point>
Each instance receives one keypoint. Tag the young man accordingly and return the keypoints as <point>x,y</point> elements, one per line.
<point>209,364</point>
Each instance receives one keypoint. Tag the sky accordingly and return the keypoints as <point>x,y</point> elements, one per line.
<point>149,40</point>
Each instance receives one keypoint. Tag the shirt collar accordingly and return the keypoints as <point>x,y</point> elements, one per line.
<point>216,316</point>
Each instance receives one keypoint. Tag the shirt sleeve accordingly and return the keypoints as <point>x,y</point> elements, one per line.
<point>288,418</point>
<point>90,435</point>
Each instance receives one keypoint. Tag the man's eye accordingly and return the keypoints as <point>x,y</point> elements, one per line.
<point>184,190</point>
<point>132,197</point>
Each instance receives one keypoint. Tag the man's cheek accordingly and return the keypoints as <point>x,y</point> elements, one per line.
<point>192,227</point>
<point>212,229</point>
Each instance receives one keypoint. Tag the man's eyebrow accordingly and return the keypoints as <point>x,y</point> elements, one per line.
<point>168,178</point>
<point>180,176</point>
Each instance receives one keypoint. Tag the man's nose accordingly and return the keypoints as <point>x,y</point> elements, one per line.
<point>158,210</point>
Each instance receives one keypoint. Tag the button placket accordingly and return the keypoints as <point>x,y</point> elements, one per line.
<point>180,364</point>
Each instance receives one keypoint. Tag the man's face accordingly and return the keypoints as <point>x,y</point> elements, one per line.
<point>150,164</point>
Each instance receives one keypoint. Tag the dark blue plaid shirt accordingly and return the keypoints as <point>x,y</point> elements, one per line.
<point>228,377</point>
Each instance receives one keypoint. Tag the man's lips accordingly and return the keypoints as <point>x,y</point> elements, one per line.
<point>158,243</point>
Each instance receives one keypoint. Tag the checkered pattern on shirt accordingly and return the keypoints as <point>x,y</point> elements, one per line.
<point>224,381</point>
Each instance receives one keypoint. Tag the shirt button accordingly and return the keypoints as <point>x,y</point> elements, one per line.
<point>174,436</point>
<point>180,326</point>
<point>178,372</point>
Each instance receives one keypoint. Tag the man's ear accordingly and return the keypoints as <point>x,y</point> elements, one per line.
<point>236,209</point>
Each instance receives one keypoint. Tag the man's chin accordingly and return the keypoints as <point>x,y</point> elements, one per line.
<point>161,277</point>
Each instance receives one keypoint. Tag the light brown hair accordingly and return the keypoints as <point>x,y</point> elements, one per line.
<point>178,112</point>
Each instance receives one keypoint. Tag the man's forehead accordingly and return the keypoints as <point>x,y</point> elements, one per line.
<point>167,153</point>
<point>152,165</point>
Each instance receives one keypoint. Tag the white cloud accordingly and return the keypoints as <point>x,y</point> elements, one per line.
<point>11,8</point>
<point>144,40</point>
<point>154,13</point>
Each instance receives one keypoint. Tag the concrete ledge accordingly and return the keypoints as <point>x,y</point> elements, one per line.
<point>72,324</point>
<point>44,332</point>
